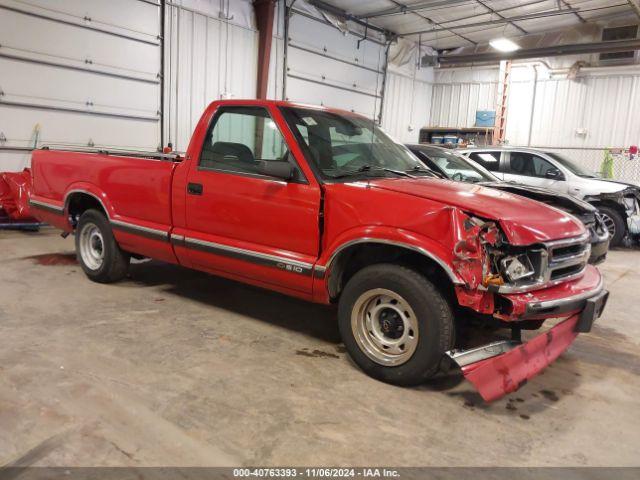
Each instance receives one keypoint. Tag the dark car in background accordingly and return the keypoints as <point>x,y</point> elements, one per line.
<point>449,164</point>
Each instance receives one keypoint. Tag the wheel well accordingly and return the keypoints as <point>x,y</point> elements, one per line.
<point>356,257</point>
<point>610,204</point>
<point>78,203</point>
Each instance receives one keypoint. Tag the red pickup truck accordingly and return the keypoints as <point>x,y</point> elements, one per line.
<point>320,204</point>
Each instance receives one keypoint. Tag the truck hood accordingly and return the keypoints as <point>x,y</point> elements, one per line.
<point>559,200</point>
<point>597,186</point>
<point>523,221</point>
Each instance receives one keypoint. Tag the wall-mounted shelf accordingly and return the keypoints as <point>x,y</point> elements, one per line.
<point>477,135</point>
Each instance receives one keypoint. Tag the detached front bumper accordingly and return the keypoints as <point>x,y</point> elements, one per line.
<point>552,302</point>
<point>502,367</point>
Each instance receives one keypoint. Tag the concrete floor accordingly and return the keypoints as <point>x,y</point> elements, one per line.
<point>174,367</point>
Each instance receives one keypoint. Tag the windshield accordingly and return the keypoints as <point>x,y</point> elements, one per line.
<point>456,167</point>
<point>350,146</point>
<point>571,166</point>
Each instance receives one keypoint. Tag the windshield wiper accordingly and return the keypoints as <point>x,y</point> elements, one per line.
<point>367,167</point>
<point>421,169</point>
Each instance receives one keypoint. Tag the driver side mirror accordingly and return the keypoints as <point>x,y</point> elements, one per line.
<point>276,168</point>
<point>554,174</point>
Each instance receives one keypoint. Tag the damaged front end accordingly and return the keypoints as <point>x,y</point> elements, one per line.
<point>583,211</point>
<point>627,203</point>
<point>631,201</point>
<point>503,367</point>
<point>520,287</point>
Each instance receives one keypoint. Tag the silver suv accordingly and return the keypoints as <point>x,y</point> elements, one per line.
<point>616,201</point>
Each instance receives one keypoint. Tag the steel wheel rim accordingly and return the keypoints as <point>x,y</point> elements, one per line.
<point>609,223</point>
<point>385,327</point>
<point>91,246</point>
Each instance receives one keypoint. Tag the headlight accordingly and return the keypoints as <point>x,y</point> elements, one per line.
<point>630,204</point>
<point>517,267</point>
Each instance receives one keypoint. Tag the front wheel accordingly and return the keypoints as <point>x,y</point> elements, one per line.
<point>615,225</point>
<point>97,250</point>
<point>394,323</point>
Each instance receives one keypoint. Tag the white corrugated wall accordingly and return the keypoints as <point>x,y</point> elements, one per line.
<point>597,109</point>
<point>276,64</point>
<point>580,118</point>
<point>208,57</point>
<point>459,93</point>
<point>406,104</point>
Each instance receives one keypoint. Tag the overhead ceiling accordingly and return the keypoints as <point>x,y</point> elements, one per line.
<point>446,24</point>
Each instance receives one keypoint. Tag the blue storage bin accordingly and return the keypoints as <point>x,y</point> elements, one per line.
<point>437,139</point>
<point>485,118</point>
<point>451,139</point>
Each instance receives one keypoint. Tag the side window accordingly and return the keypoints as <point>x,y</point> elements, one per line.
<point>528,164</point>
<point>240,138</point>
<point>489,160</point>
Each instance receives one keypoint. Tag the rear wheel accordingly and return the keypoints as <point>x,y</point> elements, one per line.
<point>394,323</point>
<point>97,250</point>
<point>615,224</point>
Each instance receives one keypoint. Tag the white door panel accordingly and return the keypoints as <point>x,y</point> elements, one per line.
<point>76,43</point>
<point>79,73</point>
<point>328,67</point>
<point>530,169</point>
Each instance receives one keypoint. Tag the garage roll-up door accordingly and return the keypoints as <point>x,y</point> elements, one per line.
<point>328,67</point>
<point>80,73</point>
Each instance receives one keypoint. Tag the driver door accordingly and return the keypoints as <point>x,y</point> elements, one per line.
<point>530,169</point>
<point>245,224</point>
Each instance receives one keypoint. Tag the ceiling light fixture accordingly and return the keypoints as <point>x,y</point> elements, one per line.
<point>504,45</point>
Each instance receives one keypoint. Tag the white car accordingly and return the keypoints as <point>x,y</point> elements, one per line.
<point>616,201</point>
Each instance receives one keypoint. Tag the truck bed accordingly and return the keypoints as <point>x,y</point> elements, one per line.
<point>133,189</point>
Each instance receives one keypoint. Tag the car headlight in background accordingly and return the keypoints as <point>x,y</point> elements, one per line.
<point>630,204</point>
<point>517,267</point>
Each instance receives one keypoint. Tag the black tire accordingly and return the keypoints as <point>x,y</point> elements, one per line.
<point>433,317</point>
<point>619,225</point>
<point>114,263</point>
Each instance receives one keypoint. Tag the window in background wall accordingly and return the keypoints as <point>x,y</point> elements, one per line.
<point>628,32</point>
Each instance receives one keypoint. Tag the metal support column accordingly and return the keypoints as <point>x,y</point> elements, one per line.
<point>265,12</point>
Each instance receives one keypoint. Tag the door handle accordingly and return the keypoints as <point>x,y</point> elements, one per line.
<point>194,189</point>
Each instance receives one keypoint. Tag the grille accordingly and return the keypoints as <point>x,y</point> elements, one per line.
<point>567,258</point>
<point>554,262</point>
<point>566,252</point>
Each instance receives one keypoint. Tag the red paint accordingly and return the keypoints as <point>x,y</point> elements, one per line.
<point>588,282</point>
<point>498,376</point>
<point>138,192</point>
<point>521,219</point>
<point>49,259</point>
<point>15,190</point>
<point>280,219</point>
